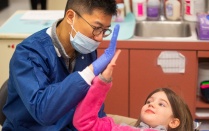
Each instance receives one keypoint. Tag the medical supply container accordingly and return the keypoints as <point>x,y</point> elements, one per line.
<point>203,75</point>
<point>153,9</point>
<point>140,9</point>
<point>172,9</point>
<point>192,7</point>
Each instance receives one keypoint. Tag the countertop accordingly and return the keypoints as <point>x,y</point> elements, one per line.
<point>134,41</point>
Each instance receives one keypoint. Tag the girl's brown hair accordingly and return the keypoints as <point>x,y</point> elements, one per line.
<point>179,108</point>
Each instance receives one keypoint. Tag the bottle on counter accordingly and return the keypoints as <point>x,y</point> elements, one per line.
<point>172,9</point>
<point>139,9</point>
<point>120,16</point>
<point>153,9</point>
<point>192,7</point>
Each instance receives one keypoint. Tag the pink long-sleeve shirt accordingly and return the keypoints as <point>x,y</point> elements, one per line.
<point>86,114</point>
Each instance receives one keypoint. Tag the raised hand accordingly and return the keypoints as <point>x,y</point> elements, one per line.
<point>107,73</point>
<point>101,63</point>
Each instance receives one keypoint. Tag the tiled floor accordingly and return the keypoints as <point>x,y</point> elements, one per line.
<point>15,5</point>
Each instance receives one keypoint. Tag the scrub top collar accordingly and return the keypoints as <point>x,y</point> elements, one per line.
<point>56,41</point>
<point>51,31</point>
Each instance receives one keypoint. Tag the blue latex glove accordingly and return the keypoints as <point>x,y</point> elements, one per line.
<point>101,63</point>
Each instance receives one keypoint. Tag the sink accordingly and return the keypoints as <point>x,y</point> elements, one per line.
<point>163,29</point>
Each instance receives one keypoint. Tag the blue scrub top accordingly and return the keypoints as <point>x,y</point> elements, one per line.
<point>42,94</point>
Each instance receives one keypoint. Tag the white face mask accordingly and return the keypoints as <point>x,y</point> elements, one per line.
<point>82,43</point>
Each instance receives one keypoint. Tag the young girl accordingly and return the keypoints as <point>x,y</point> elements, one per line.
<point>163,109</point>
<point>180,116</point>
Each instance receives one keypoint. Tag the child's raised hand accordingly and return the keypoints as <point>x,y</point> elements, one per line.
<point>107,73</point>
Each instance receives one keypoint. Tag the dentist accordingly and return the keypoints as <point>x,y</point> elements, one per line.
<point>49,71</point>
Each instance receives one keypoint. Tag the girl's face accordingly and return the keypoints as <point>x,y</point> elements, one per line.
<point>157,110</point>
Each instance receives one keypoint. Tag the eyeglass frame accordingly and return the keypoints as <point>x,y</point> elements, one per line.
<point>95,28</point>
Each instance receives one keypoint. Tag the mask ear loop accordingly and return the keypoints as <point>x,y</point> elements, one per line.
<point>73,25</point>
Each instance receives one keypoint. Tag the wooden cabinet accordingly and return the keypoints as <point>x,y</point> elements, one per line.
<point>7,47</point>
<point>202,106</point>
<point>146,75</point>
<point>139,62</point>
<point>117,101</point>
<point>137,74</point>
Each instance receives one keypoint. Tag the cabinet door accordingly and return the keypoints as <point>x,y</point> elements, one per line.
<point>117,98</point>
<point>7,48</point>
<point>146,75</point>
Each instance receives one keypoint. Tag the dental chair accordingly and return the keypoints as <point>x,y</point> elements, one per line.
<point>122,119</point>
<point>3,98</point>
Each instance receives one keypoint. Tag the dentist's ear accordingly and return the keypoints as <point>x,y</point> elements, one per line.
<point>70,16</point>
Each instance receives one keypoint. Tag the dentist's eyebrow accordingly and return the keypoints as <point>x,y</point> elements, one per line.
<point>100,24</point>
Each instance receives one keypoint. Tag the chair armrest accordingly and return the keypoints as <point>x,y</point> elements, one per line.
<point>122,119</point>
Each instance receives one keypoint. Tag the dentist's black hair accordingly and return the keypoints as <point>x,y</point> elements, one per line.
<point>109,7</point>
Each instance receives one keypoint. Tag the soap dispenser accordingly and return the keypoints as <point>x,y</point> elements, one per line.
<point>172,9</point>
<point>139,9</point>
<point>192,7</point>
<point>153,9</point>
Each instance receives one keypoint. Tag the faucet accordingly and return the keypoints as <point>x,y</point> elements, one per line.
<point>207,6</point>
<point>162,10</point>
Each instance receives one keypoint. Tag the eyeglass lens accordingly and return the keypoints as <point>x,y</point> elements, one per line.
<point>99,30</point>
